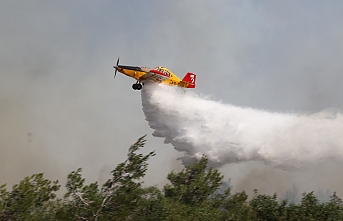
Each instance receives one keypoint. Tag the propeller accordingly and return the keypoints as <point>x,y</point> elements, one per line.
<point>116,67</point>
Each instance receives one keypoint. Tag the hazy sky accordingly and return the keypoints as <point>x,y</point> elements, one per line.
<point>61,109</point>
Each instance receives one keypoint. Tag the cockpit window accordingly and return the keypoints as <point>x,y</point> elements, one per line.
<point>163,70</point>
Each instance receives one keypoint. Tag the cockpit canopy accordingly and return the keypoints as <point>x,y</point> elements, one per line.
<point>164,70</point>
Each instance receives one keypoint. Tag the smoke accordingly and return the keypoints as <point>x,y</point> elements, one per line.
<point>230,134</point>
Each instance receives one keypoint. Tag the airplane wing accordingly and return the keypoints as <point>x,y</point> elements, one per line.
<point>155,76</point>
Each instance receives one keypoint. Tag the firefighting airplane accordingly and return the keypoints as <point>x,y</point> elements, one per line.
<point>158,75</point>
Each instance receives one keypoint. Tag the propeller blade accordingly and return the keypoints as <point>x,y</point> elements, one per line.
<point>116,67</point>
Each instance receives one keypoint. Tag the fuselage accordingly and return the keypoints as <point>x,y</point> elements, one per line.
<point>141,74</point>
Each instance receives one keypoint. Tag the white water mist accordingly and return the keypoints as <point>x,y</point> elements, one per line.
<point>231,134</point>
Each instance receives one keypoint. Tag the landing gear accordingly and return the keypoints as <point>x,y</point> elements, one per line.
<point>137,86</point>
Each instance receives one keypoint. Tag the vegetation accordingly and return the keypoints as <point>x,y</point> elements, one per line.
<point>195,193</point>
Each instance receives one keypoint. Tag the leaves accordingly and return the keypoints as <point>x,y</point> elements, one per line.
<point>118,196</point>
<point>29,199</point>
<point>195,193</point>
<point>194,185</point>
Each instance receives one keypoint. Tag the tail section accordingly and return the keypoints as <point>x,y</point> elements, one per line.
<point>189,80</point>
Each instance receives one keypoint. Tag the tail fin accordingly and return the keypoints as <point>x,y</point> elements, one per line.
<point>189,80</point>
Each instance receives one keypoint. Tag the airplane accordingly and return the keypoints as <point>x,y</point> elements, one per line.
<point>158,75</point>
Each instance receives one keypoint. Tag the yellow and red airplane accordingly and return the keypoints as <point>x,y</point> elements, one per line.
<point>158,75</point>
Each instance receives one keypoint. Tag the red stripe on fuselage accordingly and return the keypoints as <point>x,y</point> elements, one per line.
<point>163,73</point>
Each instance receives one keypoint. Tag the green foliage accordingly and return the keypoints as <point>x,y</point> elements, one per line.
<point>122,196</point>
<point>195,185</point>
<point>334,208</point>
<point>266,207</point>
<point>81,201</point>
<point>123,191</point>
<point>195,193</point>
<point>237,207</point>
<point>29,200</point>
<point>175,211</point>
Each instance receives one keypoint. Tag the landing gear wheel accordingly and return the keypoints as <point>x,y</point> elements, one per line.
<point>137,86</point>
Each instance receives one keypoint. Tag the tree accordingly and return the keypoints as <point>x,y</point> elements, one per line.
<point>31,199</point>
<point>123,192</point>
<point>122,196</point>
<point>267,207</point>
<point>310,207</point>
<point>195,193</point>
<point>81,201</point>
<point>237,208</point>
<point>334,208</point>
<point>192,192</point>
<point>194,185</point>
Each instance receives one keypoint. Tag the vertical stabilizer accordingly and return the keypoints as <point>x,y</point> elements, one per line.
<point>189,80</point>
